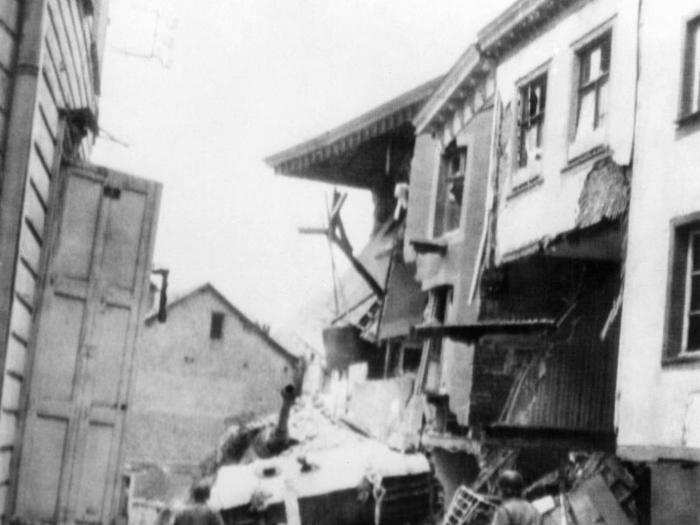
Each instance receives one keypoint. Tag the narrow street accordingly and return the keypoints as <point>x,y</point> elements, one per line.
<point>349,262</point>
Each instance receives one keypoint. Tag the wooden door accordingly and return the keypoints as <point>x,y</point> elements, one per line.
<point>100,247</point>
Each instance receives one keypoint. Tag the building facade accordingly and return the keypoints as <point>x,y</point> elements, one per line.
<point>658,403</point>
<point>207,367</point>
<point>50,62</point>
<point>518,198</point>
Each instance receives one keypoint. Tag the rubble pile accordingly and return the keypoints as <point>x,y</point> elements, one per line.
<point>592,488</point>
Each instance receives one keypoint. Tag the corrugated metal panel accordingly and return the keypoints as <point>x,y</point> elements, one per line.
<point>570,382</point>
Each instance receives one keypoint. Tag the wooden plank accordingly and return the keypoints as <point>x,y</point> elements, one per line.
<point>3,127</point>
<point>8,45</point>
<point>9,17</point>
<point>25,281</point>
<point>83,47</point>
<point>88,23</point>
<point>29,248</point>
<point>11,391</point>
<point>5,457</point>
<point>16,356</point>
<point>4,491</point>
<point>44,143</point>
<point>20,320</point>
<point>5,90</point>
<point>53,85</point>
<point>48,109</point>
<point>34,211</point>
<point>8,430</point>
<point>75,39</point>
<point>39,174</point>
<point>59,53</point>
<point>68,52</point>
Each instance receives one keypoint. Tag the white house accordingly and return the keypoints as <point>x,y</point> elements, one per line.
<point>658,401</point>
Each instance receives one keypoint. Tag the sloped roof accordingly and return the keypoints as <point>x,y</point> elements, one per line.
<point>247,321</point>
<point>336,143</point>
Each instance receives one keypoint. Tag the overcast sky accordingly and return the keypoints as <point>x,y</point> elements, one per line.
<point>234,81</point>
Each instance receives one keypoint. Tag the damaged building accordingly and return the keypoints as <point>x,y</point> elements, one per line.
<point>382,301</point>
<point>555,337</point>
<point>519,193</point>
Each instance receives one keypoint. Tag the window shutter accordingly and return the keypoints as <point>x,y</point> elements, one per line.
<point>424,168</point>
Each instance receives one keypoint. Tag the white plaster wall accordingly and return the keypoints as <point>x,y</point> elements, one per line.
<point>655,403</point>
<point>552,207</point>
<point>234,376</point>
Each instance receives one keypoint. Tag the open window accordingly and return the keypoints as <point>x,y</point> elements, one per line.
<point>683,304</point>
<point>591,98</point>
<point>448,209</point>
<point>690,89</point>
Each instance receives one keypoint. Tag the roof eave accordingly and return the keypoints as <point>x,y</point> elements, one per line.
<point>380,120</point>
<point>515,24</point>
<point>455,80</point>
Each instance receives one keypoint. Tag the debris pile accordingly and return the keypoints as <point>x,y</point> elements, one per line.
<point>592,488</point>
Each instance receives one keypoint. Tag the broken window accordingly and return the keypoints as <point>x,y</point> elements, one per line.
<point>594,69</point>
<point>533,97</point>
<point>683,317</point>
<point>450,193</point>
<point>690,102</point>
<point>216,327</point>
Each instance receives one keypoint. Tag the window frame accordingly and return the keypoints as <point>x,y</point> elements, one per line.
<point>688,285</point>
<point>525,122</point>
<point>216,325</point>
<point>523,178</point>
<point>446,179</point>
<point>583,54</point>
<point>675,350</point>
<point>593,141</point>
<point>686,113</point>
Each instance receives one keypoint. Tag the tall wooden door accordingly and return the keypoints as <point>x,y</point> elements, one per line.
<point>99,256</point>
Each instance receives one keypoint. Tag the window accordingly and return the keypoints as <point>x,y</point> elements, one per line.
<point>691,330</point>
<point>690,100</point>
<point>441,303</point>
<point>533,96</point>
<point>683,308</point>
<point>216,328</point>
<point>592,89</point>
<point>450,189</point>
